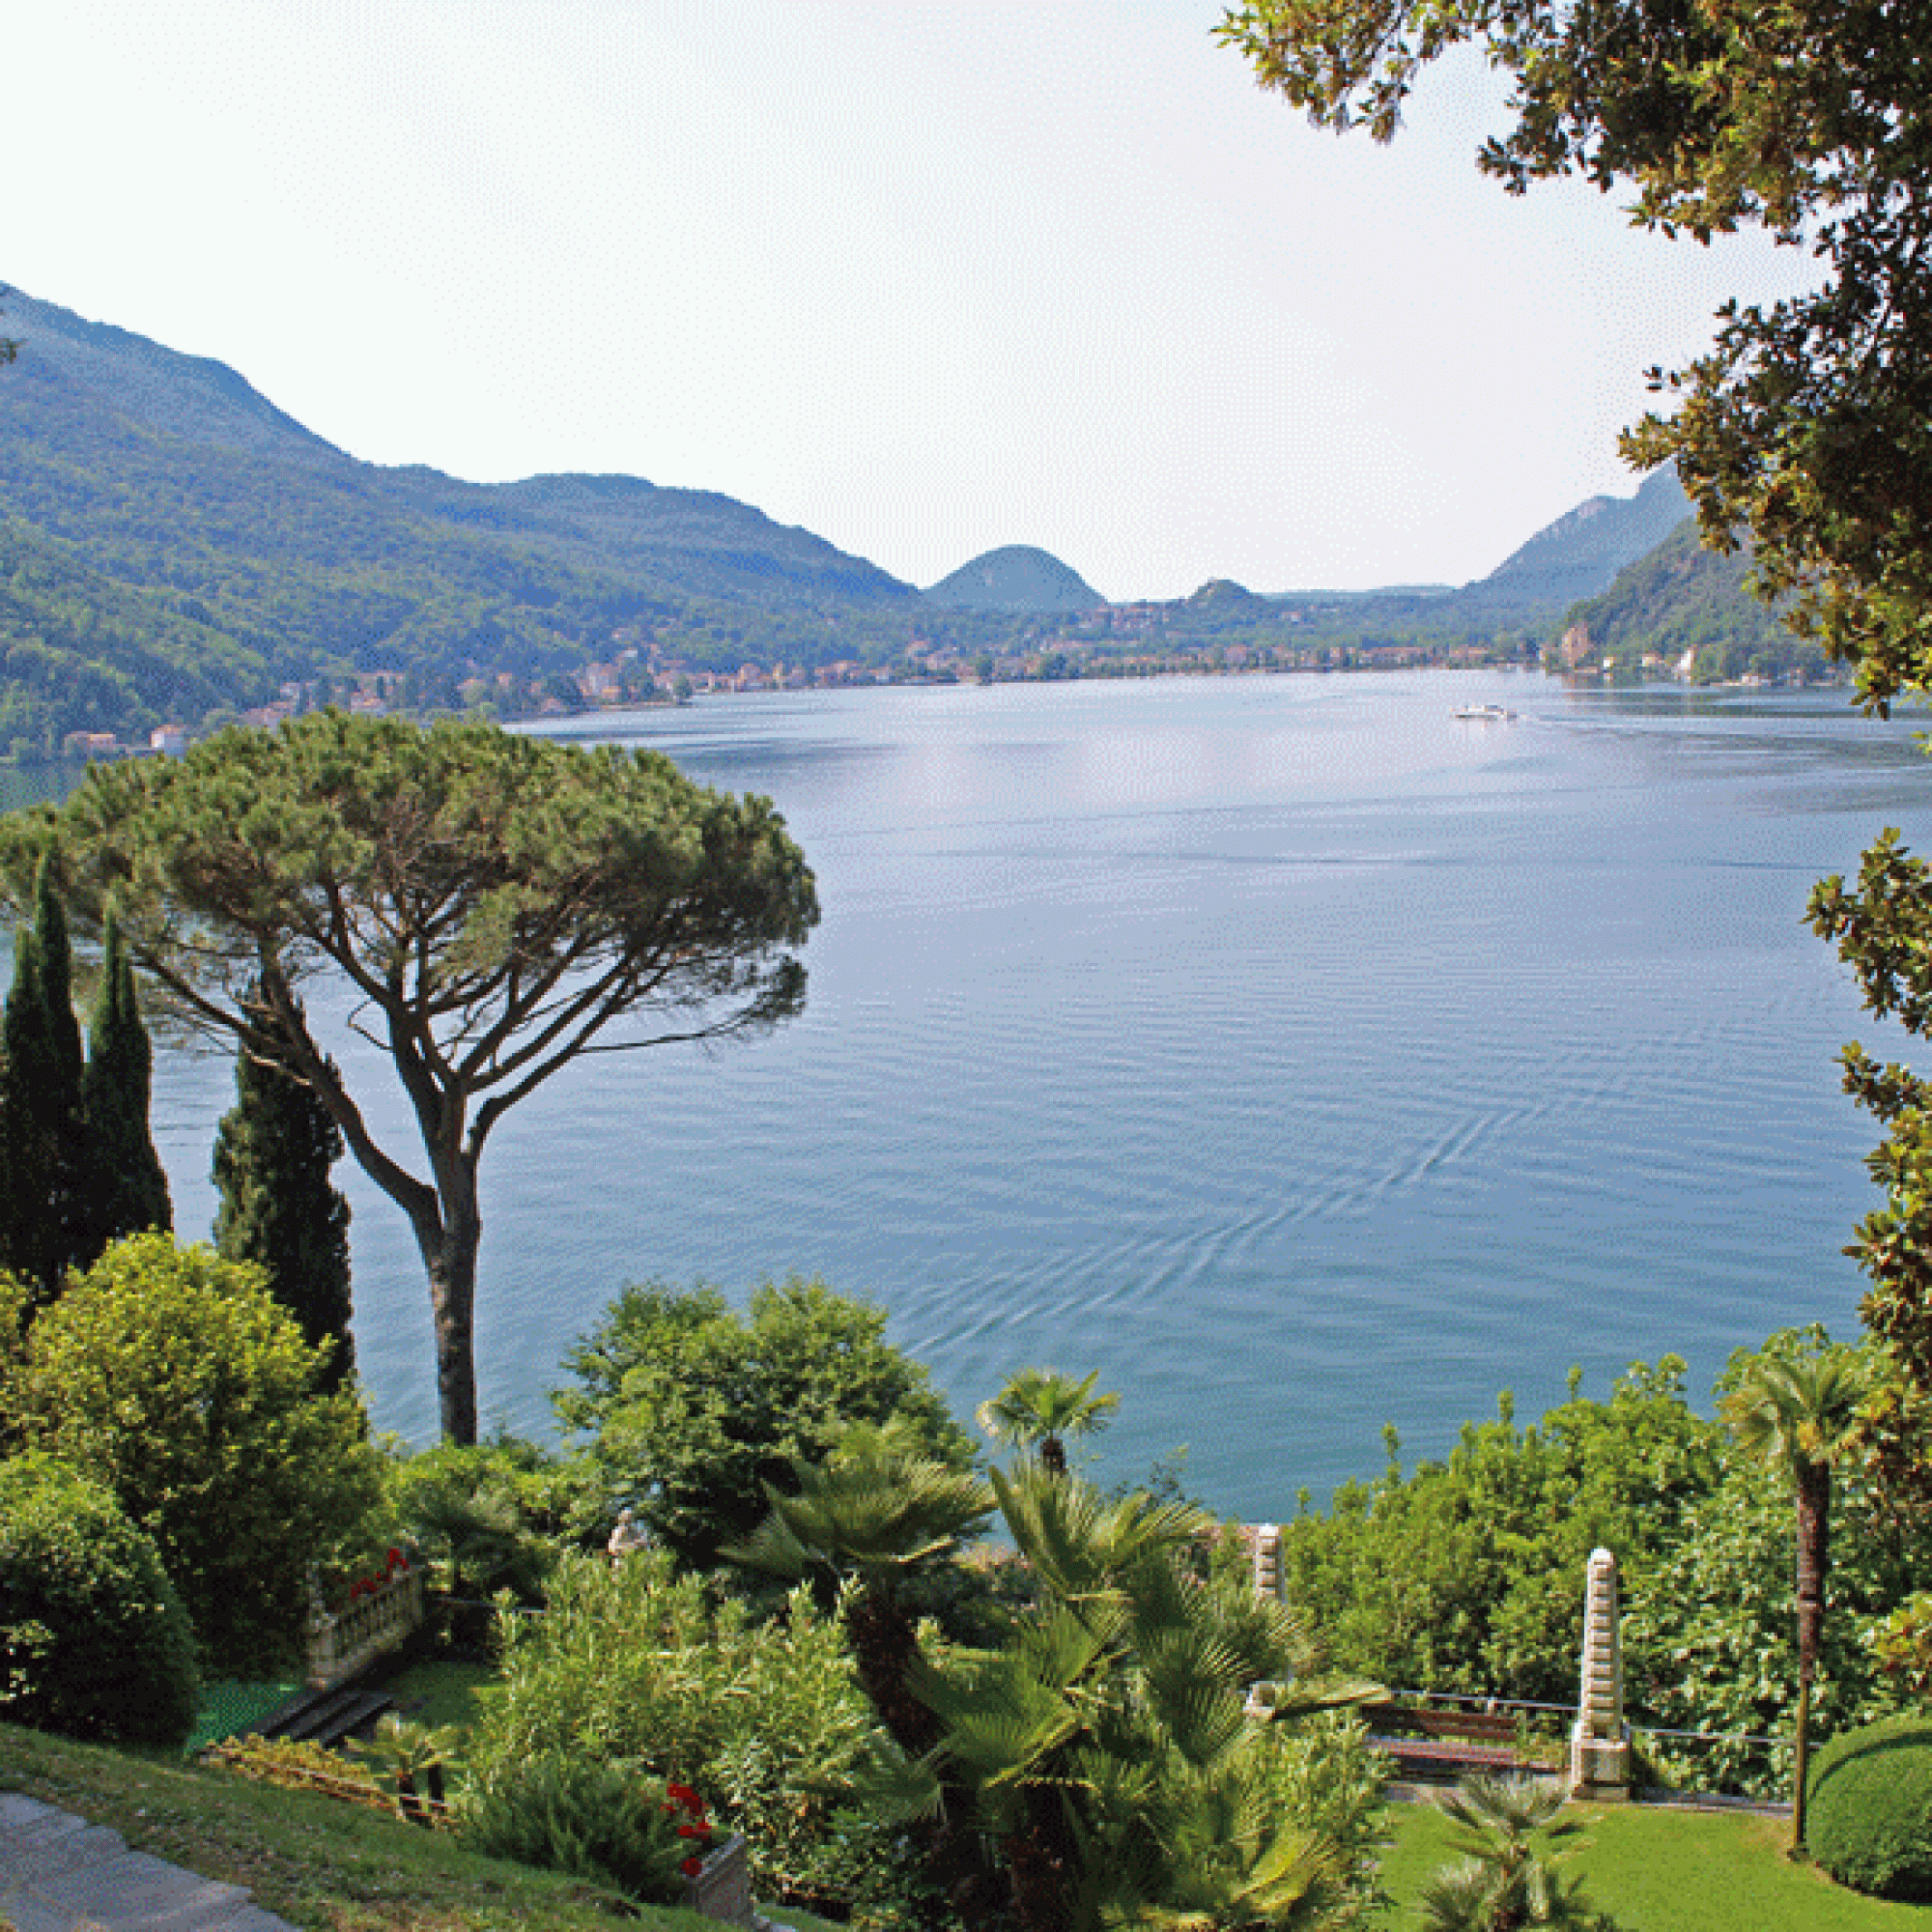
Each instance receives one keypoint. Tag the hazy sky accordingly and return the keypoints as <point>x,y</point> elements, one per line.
<point>922,278</point>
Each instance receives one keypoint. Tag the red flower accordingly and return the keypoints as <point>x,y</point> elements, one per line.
<point>684,1795</point>
<point>397,1561</point>
<point>691,1867</point>
<point>697,1830</point>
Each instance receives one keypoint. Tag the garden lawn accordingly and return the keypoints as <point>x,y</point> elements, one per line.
<point>1659,1871</point>
<point>438,1693</point>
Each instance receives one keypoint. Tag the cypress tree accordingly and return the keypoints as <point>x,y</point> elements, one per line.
<point>30,1242</point>
<point>124,1190</point>
<point>272,1153</point>
<point>42,1127</point>
<point>56,964</point>
<point>65,1105</point>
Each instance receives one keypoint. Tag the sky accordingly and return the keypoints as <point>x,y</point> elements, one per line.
<point>922,278</point>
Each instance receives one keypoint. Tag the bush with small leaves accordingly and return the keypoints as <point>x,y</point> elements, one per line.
<point>609,1821</point>
<point>94,1641</point>
<point>171,1377</point>
<point>1870,1817</point>
<point>299,1765</point>
<point>632,1662</point>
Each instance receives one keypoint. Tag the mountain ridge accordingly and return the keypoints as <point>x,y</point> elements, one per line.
<point>174,547</point>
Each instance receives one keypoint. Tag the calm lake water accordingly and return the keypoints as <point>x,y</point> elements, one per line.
<point>1296,1055</point>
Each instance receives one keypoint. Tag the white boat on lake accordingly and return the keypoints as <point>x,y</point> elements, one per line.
<point>1487,714</point>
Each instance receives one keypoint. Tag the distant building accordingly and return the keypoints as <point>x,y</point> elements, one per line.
<point>169,740</point>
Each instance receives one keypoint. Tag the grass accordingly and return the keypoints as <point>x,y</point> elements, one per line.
<point>438,1693</point>
<point>323,1865</point>
<point>331,1867</point>
<point>1658,1870</point>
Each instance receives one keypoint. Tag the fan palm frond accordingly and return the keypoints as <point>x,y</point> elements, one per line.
<point>870,1508</point>
<point>1081,1543</point>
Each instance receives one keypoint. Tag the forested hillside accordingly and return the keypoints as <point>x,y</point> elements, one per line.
<point>172,543</point>
<point>1687,609</point>
<point>175,550</point>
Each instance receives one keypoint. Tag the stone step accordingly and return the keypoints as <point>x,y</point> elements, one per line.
<point>327,1718</point>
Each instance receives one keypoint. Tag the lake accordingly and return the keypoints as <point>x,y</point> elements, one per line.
<point>1296,1055</point>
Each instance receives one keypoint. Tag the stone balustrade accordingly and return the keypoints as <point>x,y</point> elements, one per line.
<point>343,1644</point>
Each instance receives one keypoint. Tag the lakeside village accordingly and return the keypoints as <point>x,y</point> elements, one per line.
<point>645,671</point>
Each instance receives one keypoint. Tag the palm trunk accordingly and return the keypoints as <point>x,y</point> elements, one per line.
<point>1814,1530</point>
<point>1041,1861</point>
<point>1799,1754</point>
<point>885,1640</point>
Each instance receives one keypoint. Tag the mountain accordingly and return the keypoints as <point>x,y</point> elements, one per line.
<point>1017,578</point>
<point>1575,556</point>
<point>176,549</point>
<point>1581,553</point>
<point>171,544</point>
<point>1221,597</point>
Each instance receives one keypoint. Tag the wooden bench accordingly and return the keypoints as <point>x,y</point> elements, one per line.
<point>1441,1746</point>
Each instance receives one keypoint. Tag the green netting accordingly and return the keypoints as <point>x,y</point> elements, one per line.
<point>230,1710</point>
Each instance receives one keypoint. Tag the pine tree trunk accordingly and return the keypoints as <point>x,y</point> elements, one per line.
<point>451,1262</point>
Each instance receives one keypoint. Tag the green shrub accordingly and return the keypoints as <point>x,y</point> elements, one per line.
<point>611,1822</point>
<point>491,1516</point>
<point>171,1377</point>
<point>1870,1819</point>
<point>94,1641</point>
<point>690,1406</point>
<point>632,1663</point>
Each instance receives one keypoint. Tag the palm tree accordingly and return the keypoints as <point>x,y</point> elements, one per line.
<point>1107,1739</point>
<point>864,1523</point>
<point>1505,1879</point>
<point>1039,1406</point>
<point>1798,1416</point>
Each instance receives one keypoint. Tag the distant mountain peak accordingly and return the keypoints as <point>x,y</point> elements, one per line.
<point>1223,595</point>
<point>1586,546</point>
<point>1015,578</point>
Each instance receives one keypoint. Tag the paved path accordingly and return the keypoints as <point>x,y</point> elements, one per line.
<point>58,1873</point>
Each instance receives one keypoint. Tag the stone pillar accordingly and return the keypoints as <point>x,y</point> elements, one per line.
<point>1599,1746</point>
<point>1265,1549</point>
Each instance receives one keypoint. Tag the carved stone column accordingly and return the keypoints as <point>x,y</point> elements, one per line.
<point>1263,1541</point>
<point>1599,1746</point>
